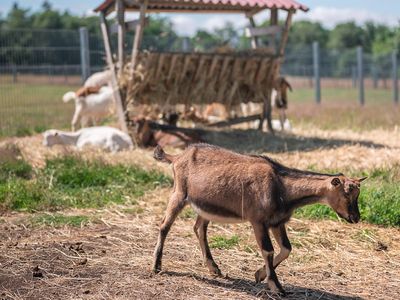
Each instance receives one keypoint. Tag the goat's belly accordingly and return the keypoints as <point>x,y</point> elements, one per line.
<point>214,215</point>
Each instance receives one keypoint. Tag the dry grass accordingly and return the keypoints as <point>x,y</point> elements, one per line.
<point>110,257</point>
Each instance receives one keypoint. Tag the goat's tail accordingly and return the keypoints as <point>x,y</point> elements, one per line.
<point>160,155</point>
<point>68,96</point>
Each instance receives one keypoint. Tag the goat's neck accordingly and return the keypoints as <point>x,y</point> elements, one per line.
<point>69,138</point>
<point>304,190</point>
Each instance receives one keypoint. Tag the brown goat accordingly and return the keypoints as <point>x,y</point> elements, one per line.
<point>147,137</point>
<point>224,186</point>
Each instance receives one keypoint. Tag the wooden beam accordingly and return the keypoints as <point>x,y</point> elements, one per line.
<point>234,121</point>
<point>129,26</point>
<point>137,41</point>
<point>254,39</point>
<point>120,8</point>
<point>285,33</point>
<point>262,31</point>
<point>274,17</point>
<point>114,81</point>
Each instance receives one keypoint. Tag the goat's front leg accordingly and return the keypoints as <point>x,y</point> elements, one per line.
<point>200,228</point>
<point>281,237</point>
<point>175,205</point>
<point>267,251</point>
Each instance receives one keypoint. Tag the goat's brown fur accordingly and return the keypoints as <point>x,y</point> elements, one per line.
<point>86,91</point>
<point>224,186</point>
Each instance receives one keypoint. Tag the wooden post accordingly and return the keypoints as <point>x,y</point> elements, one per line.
<point>114,81</point>
<point>285,33</point>
<point>317,79</point>
<point>275,69</point>
<point>274,16</point>
<point>137,41</point>
<point>274,22</point>
<point>254,39</point>
<point>85,57</point>
<point>360,73</point>
<point>395,78</point>
<point>120,9</point>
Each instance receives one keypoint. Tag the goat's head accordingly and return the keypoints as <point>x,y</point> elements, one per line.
<point>50,138</point>
<point>142,130</point>
<point>281,86</point>
<point>343,195</point>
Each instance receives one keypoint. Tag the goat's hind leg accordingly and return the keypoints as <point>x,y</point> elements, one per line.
<point>176,203</point>
<point>200,228</point>
<point>282,239</point>
<point>267,251</point>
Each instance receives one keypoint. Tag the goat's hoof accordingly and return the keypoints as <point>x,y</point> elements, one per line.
<point>257,276</point>
<point>156,269</point>
<point>276,287</point>
<point>260,275</point>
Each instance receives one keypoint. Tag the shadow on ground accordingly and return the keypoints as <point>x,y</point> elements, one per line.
<point>259,290</point>
<point>254,141</point>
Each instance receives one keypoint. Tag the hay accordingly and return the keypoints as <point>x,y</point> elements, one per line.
<point>111,258</point>
<point>199,78</point>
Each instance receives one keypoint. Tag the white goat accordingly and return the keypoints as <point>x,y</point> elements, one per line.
<point>107,138</point>
<point>99,79</point>
<point>92,106</point>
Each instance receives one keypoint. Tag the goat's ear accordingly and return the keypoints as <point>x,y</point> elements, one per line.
<point>288,84</point>
<point>336,181</point>
<point>56,134</point>
<point>362,179</point>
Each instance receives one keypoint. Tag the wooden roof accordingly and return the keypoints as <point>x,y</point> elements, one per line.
<point>202,6</point>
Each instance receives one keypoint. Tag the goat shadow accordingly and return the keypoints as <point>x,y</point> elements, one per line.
<point>259,290</point>
<point>254,141</point>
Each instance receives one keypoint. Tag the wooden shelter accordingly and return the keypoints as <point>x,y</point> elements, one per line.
<point>187,78</point>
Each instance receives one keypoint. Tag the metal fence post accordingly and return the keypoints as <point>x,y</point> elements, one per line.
<point>374,74</point>
<point>85,57</point>
<point>360,75</point>
<point>317,79</point>
<point>395,78</point>
<point>186,44</point>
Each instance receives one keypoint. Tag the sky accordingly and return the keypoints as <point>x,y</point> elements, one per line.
<point>328,12</point>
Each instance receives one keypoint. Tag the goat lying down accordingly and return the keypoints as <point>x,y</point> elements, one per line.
<point>227,187</point>
<point>106,138</point>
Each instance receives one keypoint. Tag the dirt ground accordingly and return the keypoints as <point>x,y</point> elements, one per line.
<point>110,258</point>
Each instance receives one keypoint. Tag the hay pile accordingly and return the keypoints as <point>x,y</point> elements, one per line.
<point>199,78</point>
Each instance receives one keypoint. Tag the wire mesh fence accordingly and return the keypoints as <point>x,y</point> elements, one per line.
<point>38,66</point>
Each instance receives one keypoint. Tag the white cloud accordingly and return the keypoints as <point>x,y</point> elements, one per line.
<point>330,16</point>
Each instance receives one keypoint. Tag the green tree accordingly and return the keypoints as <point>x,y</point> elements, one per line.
<point>47,18</point>
<point>348,35</point>
<point>18,18</point>
<point>304,33</point>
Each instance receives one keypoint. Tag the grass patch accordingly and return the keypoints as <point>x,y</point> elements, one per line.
<point>58,220</point>
<point>379,200</point>
<point>221,242</point>
<point>187,213</point>
<point>14,168</point>
<point>73,182</point>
